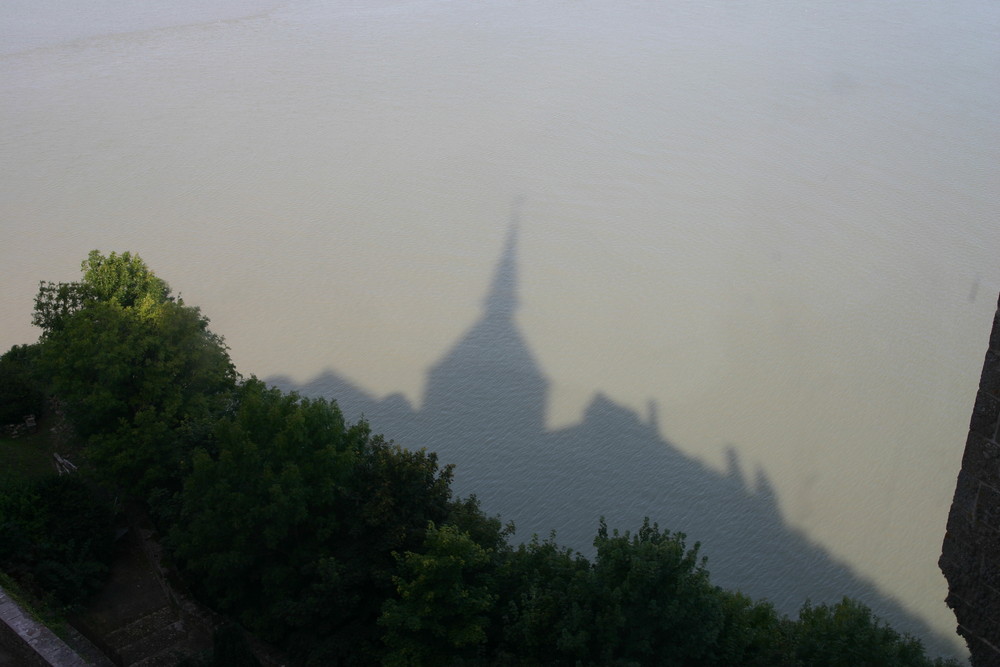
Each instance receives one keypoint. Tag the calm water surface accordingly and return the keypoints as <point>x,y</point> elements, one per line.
<point>775,225</point>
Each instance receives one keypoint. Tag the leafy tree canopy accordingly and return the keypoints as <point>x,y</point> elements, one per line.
<point>652,601</point>
<point>444,602</point>
<point>55,537</point>
<point>848,634</point>
<point>123,279</point>
<point>141,375</point>
<point>292,509</point>
<point>344,548</point>
<point>258,512</point>
<point>21,393</point>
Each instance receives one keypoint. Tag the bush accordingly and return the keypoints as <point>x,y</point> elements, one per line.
<point>55,537</point>
<point>20,391</point>
<point>848,634</point>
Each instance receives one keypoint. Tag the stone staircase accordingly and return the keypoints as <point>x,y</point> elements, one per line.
<point>141,619</point>
<point>138,620</point>
<point>158,638</point>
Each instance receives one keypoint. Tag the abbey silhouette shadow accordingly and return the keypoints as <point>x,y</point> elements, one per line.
<point>484,411</point>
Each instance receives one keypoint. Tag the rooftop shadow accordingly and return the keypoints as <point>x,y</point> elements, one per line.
<point>484,411</point>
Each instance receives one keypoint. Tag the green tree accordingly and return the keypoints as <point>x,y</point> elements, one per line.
<point>489,532</point>
<point>654,604</point>
<point>754,634</point>
<point>848,634</point>
<point>545,606</point>
<point>141,375</point>
<point>230,648</point>
<point>21,391</point>
<point>254,518</point>
<point>393,495</point>
<point>55,537</point>
<point>54,303</point>
<point>291,523</point>
<point>646,600</point>
<point>444,604</point>
<point>123,279</point>
<point>140,387</point>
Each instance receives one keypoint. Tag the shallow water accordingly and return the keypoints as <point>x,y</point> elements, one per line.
<point>773,227</point>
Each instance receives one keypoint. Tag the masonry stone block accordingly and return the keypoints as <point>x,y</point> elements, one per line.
<point>970,554</point>
<point>985,413</point>
<point>957,556</point>
<point>983,655</point>
<point>989,381</point>
<point>973,596</point>
<point>982,455</point>
<point>995,336</point>
<point>955,602</point>
<point>988,507</point>
<point>989,569</point>
<point>979,625</point>
<point>966,490</point>
<point>960,527</point>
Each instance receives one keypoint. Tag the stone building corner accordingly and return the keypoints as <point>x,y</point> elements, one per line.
<point>970,557</point>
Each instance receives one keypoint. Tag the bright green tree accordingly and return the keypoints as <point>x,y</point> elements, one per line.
<point>123,279</point>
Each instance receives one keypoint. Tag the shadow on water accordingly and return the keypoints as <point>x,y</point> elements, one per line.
<point>484,411</point>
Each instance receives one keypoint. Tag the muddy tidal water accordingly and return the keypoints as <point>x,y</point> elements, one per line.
<point>757,242</point>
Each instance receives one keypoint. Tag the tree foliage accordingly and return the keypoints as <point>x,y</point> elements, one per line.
<point>445,599</point>
<point>141,375</point>
<point>848,634</point>
<point>754,634</point>
<point>654,601</point>
<point>339,546</point>
<point>646,599</point>
<point>21,392</point>
<point>545,603</point>
<point>54,303</point>
<point>254,514</point>
<point>295,509</point>
<point>122,279</point>
<point>55,537</point>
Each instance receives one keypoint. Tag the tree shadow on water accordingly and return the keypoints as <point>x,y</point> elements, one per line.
<point>484,411</point>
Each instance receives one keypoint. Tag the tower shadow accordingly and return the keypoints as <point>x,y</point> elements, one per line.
<point>484,411</point>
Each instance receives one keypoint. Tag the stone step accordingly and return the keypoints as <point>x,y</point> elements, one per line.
<point>139,628</point>
<point>153,644</point>
<point>167,658</point>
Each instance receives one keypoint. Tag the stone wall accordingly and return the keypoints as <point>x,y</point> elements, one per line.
<point>970,556</point>
<point>25,641</point>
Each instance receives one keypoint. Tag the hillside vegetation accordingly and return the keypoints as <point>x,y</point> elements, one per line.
<point>339,547</point>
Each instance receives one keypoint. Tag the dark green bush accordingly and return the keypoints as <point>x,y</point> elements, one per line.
<point>55,537</point>
<point>20,391</point>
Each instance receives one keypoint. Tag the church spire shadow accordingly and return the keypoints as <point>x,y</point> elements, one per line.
<point>484,410</point>
<point>489,380</point>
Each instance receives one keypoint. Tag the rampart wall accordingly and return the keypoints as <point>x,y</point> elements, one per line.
<point>25,641</point>
<point>970,557</point>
